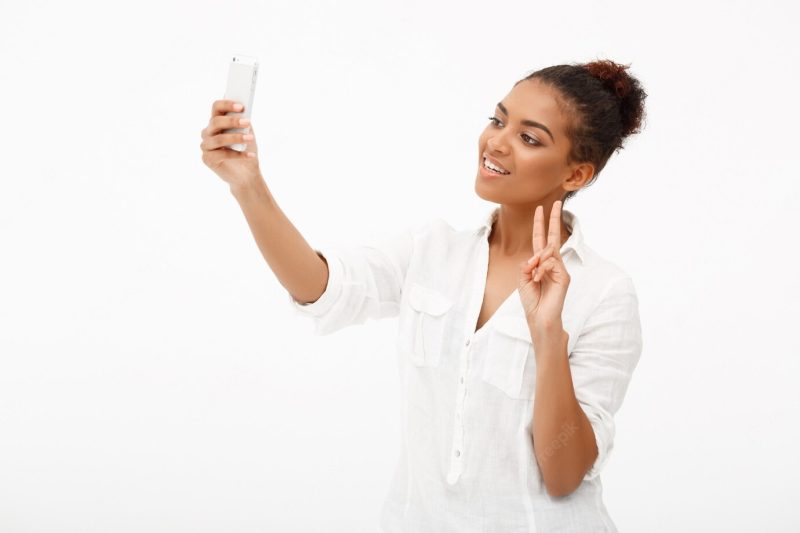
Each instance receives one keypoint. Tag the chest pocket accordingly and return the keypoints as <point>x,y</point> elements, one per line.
<point>510,363</point>
<point>424,335</point>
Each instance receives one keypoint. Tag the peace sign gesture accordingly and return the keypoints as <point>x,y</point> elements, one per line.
<point>543,280</point>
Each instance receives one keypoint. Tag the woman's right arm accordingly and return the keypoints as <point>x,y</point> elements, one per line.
<point>295,263</point>
<point>297,266</point>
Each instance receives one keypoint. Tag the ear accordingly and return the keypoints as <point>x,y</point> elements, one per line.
<point>580,174</point>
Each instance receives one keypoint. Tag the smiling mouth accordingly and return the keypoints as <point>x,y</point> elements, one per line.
<point>501,173</point>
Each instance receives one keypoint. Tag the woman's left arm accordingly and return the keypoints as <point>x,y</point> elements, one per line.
<point>578,394</point>
<point>563,438</point>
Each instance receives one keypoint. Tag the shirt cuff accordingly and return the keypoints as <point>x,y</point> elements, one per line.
<point>602,439</point>
<point>332,291</point>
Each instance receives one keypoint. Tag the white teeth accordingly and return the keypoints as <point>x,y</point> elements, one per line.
<point>490,166</point>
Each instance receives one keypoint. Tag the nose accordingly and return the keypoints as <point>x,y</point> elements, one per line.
<point>497,144</point>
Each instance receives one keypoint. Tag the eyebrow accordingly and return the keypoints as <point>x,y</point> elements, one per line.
<point>526,122</point>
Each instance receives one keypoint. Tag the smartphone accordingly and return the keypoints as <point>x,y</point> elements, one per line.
<point>242,74</point>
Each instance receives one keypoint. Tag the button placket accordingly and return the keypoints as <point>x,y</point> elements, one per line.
<point>458,424</point>
<point>457,450</point>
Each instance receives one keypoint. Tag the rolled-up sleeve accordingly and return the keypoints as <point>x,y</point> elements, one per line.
<point>364,281</point>
<point>603,360</point>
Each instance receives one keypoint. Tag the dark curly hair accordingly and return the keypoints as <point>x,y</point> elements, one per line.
<point>604,104</point>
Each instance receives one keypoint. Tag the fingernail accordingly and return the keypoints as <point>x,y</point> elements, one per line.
<point>238,107</point>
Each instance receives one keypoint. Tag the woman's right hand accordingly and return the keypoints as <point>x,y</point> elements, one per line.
<point>235,168</point>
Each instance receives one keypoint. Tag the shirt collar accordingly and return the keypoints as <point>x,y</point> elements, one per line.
<point>574,242</point>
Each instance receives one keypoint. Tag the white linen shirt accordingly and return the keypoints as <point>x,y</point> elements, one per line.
<point>467,462</point>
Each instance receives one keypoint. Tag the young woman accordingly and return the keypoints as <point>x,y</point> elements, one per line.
<point>516,340</point>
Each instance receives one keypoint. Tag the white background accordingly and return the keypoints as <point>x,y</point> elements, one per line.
<point>152,375</point>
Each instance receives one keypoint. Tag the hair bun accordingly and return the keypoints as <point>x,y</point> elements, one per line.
<point>626,88</point>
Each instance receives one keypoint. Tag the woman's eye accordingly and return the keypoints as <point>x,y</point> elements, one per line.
<point>496,122</point>
<point>534,143</point>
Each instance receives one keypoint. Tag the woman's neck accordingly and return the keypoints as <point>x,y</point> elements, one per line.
<point>512,234</point>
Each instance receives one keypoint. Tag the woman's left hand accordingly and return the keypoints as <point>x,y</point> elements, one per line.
<point>543,280</point>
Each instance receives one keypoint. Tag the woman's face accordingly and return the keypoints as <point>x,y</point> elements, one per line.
<point>527,139</point>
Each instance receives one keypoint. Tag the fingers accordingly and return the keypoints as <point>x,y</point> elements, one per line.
<point>554,229</point>
<point>221,107</point>
<point>220,123</point>
<point>543,261</point>
<point>543,255</point>
<point>225,139</point>
<point>538,229</point>
<point>224,115</point>
<point>546,266</point>
<point>533,265</point>
<point>539,241</point>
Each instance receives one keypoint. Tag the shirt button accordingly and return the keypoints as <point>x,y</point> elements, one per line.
<point>467,343</point>
<point>462,379</point>
<point>458,453</point>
